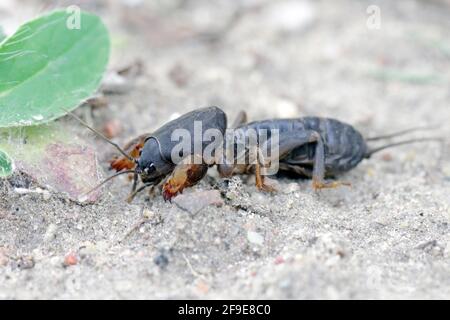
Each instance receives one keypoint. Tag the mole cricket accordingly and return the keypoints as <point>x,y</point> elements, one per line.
<point>311,147</point>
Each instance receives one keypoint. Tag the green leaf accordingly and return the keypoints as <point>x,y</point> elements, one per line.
<point>6,165</point>
<point>46,67</point>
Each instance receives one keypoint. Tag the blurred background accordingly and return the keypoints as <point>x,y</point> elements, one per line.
<point>376,64</point>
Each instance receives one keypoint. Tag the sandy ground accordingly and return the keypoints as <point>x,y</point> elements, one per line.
<point>388,236</point>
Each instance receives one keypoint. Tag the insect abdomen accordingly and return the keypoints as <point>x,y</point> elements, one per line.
<point>344,145</point>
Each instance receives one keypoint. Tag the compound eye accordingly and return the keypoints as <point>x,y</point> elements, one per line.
<point>149,169</point>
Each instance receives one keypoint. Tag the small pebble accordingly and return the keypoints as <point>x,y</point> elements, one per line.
<point>26,262</point>
<point>20,181</point>
<point>289,16</point>
<point>97,102</point>
<point>148,214</point>
<point>22,191</point>
<point>161,260</point>
<point>46,195</point>
<point>255,238</point>
<point>179,75</point>
<point>112,128</point>
<point>446,170</point>
<point>196,201</point>
<point>291,187</point>
<point>279,260</point>
<point>386,157</point>
<point>202,287</point>
<point>4,259</point>
<point>50,233</point>
<point>87,249</point>
<point>83,198</point>
<point>132,3</point>
<point>70,259</point>
<point>114,83</point>
<point>286,109</point>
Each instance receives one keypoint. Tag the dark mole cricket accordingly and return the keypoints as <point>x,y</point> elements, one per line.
<point>311,147</point>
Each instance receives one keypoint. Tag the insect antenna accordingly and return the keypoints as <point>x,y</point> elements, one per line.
<point>375,150</point>
<point>107,180</point>
<point>102,136</point>
<point>400,133</point>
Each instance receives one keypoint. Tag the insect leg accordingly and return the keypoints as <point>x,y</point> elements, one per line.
<point>305,172</point>
<point>318,178</point>
<point>186,174</point>
<point>227,170</point>
<point>240,119</point>
<point>288,141</point>
<point>259,178</point>
<point>135,182</point>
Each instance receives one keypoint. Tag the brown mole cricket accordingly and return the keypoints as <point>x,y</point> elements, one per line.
<point>312,147</point>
